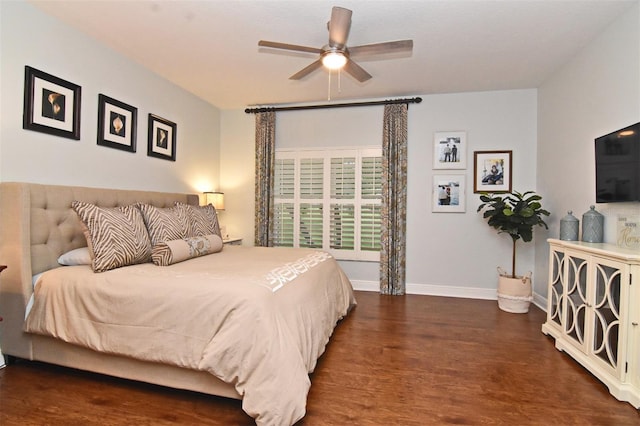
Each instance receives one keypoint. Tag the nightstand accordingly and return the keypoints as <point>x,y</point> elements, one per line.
<point>232,241</point>
<point>2,362</point>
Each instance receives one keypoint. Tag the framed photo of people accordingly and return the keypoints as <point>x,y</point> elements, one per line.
<point>162,138</point>
<point>492,171</point>
<point>51,104</point>
<point>448,193</point>
<point>450,150</point>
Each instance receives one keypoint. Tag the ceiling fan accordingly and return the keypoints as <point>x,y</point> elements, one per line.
<point>336,54</point>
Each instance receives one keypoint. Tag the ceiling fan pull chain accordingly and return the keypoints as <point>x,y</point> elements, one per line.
<point>339,81</point>
<point>329,87</point>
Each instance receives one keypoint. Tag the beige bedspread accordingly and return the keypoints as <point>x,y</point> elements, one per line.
<point>257,318</point>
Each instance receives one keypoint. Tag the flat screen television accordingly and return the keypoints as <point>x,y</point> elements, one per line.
<point>618,166</point>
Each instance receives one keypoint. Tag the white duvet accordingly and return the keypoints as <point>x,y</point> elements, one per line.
<point>255,317</point>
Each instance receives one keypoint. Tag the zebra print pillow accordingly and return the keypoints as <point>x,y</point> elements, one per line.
<point>116,236</point>
<point>202,220</point>
<point>164,224</point>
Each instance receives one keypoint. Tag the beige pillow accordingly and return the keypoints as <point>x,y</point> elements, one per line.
<point>169,252</point>
<point>116,236</point>
<point>164,224</point>
<point>203,220</point>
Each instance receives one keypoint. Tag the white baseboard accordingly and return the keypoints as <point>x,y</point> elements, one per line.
<point>445,291</point>
<point>365,285</point>
<point>432,290</point>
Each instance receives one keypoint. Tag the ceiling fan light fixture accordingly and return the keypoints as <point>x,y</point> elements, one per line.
<point>334,60</point>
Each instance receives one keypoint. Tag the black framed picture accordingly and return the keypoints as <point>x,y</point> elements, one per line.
<point>51,104</point>
<point>117,124</point>
<point>492,171</point>
<point>162,138</point>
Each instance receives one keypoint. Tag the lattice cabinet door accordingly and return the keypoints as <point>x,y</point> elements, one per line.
<point>556,292</point>
<point>576,300</point>
<point>609,306</point>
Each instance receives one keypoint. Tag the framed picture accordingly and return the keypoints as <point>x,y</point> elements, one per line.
<point>492,171</point>
<point>51,104</point>
<point>117,124</point>
<point>162,138</point>
<point>448,193</point>
<point>450,150</point>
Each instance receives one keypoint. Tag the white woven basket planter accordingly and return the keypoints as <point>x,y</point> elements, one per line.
<point>514,294</point>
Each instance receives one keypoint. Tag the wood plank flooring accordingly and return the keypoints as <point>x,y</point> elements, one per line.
<point>412,360</point>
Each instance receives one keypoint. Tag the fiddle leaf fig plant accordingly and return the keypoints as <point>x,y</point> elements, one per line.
<point>515,214</point>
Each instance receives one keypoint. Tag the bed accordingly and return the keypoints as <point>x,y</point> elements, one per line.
<point>240,322</point>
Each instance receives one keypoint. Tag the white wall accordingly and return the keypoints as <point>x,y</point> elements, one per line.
<point>452,254</point>
<point>237,174</point>
<point>29,37</point>
<point>595,93</point>
<point>457,253</point>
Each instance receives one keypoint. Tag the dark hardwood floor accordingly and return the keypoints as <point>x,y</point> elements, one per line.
<point>412,360</point>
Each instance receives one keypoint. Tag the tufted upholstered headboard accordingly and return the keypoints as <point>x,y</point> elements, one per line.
<point>37,225</point>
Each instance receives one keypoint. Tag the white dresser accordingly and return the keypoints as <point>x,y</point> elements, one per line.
<point>593,311</point>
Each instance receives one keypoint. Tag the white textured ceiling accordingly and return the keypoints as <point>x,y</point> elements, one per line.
<point>210,48</point>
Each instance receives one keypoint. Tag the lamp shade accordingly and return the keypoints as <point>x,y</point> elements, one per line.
<point>215,198</point>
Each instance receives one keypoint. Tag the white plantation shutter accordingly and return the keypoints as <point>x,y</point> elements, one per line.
<point>370,227</point>
<point>283,224</point>
<point>284,208</point>
<point>330,200</point>
<point>284,178</point>
<point>342,227</point>
<point>311,178</point>
<point>311,222</point>
<point>371,177</point>
<point>343,178</point>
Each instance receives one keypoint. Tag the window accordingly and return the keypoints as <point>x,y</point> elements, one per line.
<point>329,199</point>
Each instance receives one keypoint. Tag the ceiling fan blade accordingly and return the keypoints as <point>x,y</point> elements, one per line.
<point>286,46</point>
<point>356,71</point>
<point>339,27</point>
<point>306,70</point>
<point>378,48</point>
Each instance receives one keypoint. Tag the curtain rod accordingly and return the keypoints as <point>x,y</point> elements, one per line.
<point>321,106</point>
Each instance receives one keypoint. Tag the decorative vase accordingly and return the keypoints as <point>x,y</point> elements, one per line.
<point>569,226</point>
<point>514,294</point>
<point>592,226</point>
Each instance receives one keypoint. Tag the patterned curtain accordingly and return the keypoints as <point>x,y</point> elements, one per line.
<point>394,200</point>
<point>265,162</point>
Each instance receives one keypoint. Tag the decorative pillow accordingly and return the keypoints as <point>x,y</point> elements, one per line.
<point>79,256</point>
<point>164,224</point>
<point>169,252</point>
<point>203,220</point>
<point>116,236</point>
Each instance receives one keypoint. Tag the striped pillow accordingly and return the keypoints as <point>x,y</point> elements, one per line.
<point>116,236</point>
<point>170,252</point>
<point>203,220</point>
<point>164,224</point>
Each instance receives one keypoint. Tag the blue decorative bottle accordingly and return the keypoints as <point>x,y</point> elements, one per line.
<point>569,226</point>
<point>592,226</point>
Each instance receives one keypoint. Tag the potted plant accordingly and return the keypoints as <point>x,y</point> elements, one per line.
<point>514,214</point>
